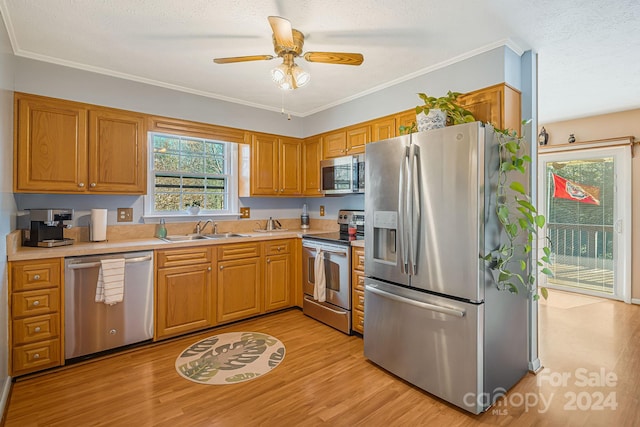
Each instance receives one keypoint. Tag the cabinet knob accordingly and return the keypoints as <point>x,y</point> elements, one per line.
<point>221,267</point>
<point>81,184</point>
<point>362,322</point>
<point>279,248</point>
<point>209,269</point>
<point>281,190</point>
<point>92,185</point>
<point>268,260</point>
<point>37,329</point>
<point>36,303</point>
<point>36,277</point>
<point>36,356</point>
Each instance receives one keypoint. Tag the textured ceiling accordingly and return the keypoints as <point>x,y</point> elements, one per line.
<point>587,49</point>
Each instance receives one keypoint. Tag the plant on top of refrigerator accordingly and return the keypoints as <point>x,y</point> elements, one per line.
<point>519,218</point>
<point>456,115</point>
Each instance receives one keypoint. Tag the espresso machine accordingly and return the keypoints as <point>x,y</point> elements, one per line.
<point>47,227</point>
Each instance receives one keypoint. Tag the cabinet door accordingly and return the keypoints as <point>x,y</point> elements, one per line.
<point>184,300</point>
<point>264,165</point>
<point>239,283</point>
<point>312,155</point>
<point>51,146</point>
<point>277,282</point>
<point>117,152</point>
<point>290,167</point>
<point>334,144</point>
<point>357,138</point>
<point>498,105</point>
<point>384,129</point>
<point>406,118</point>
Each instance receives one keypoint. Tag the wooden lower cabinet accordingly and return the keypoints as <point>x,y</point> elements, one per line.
<point>278,271</point>
<point>357,286</point>
<point>184,292</point>
<point>239,289</point>
<point>35,327</point>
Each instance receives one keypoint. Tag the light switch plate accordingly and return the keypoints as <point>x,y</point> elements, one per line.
<point>245,212</point>
<point>321,210</point>
<point>125,214</point>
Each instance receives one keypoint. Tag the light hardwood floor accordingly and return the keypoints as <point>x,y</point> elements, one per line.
<point>325,380</point>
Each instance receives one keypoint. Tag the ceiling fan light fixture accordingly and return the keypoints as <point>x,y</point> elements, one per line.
<point>301,76</point>
<point>279,73</point>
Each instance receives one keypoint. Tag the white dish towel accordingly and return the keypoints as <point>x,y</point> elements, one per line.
<point>320,285</point>
<point>110,286</point>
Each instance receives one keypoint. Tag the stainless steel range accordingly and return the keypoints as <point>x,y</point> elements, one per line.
<point>335,248</point>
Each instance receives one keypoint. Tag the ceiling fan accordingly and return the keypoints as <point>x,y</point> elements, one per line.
<point>287,44</point>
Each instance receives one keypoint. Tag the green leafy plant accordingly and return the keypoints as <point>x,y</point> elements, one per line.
<point>455,113</point>
<point>520,220</point>
<point>194,203</point>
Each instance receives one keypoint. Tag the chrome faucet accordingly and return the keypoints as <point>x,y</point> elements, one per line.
<point>199,229</point>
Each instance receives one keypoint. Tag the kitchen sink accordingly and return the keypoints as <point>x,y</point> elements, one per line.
<point>190,237</point>
<point>224,235</point>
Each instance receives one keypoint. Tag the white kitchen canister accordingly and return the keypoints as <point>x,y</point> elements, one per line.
<point>98,225</point>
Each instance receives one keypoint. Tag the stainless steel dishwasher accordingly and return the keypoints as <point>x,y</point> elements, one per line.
<point>92,327</point>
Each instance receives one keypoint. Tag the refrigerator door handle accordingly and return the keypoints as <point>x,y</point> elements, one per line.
<point>415,213</point>
<point>420,304</point>
<point>402,211</point>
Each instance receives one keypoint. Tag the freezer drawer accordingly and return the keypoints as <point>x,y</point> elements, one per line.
<point>429,341</point>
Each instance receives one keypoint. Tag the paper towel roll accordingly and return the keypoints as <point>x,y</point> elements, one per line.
<point>98,230</point>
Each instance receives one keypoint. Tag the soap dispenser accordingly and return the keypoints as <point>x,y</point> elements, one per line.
<point>304,218</point>
<point>162,229</point>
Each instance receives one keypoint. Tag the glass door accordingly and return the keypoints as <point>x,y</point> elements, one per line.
<point>586,199</point>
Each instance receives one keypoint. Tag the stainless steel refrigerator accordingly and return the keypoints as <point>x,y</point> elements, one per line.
<point>433,315</point>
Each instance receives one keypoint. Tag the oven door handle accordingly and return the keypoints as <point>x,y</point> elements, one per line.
<point>324,306</point>
<point>328,251</point>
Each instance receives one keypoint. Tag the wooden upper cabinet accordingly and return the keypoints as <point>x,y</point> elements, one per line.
<point>50,145</point>
<point>311,157</point>
<point>276,166</point>
<point>116,152</point>
<point>68,147</point>
<point>384,129</point>
<point>334,144</point>
<point>357,138</point>
<point>290,167</point>
<point>498,105</point>
<point>406,118</point>
<point>264,165</point>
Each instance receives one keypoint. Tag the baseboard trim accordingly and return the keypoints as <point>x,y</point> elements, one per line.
<point>635,300</point>
<point>4,398</point>
<point>535,366</point>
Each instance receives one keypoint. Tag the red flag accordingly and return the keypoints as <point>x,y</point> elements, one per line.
<point>565,189</point>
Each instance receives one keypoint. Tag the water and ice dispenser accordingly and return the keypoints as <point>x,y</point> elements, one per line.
<point>385,226</point>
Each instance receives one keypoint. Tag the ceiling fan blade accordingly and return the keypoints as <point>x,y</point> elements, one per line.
<point>335,57</point>
<point>243,59</point>
<point>282,31</point>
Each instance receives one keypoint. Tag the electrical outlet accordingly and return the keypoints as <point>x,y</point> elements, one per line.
<point>245,212</point>
<point>321,210</point>
<point>125,214</point>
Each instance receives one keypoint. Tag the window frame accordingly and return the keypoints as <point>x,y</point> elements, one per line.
<point>231,156</point>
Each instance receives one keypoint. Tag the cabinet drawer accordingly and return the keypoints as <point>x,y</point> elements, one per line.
<point>358,321</point>
<point>358,300</point>
<point>358,259</point>
<point>277,247</point>
<point>31,303</point>
<point>357,279</point>
<point>29,275</point>
<point>36,356</point>
<point>186,256</point>
<point>38,328</point>
<point>238,251</point>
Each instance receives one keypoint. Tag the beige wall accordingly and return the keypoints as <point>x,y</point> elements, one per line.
<point>626,123</point>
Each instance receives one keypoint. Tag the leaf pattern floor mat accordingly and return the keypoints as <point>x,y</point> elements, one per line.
<point>230,358</point>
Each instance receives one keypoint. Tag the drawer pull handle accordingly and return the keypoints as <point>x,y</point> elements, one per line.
<point>362,322</point>
<point>36,277</point>
<point>37,329</point>
<point>361,261</point>
<point>36,303</point>
<point>36,356</point>
<point>361,299</point>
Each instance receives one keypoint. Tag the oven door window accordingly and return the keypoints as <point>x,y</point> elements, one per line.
<point>331,272</point>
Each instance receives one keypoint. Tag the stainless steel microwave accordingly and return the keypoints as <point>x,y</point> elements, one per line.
<point>342,175</point>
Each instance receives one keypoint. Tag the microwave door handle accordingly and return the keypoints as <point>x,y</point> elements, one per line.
<point>402,205</point>
<point>416,200</point>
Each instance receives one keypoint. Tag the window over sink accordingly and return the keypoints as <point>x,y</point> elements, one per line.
<point>185,171</point>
